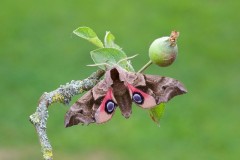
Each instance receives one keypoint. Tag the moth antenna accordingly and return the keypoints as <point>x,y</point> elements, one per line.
<point>106,65</point>
<point>113,64</point>
<point>98,64</point>
<point>124,59</point>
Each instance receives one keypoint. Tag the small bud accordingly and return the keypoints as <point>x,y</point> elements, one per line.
<point>163,51</point>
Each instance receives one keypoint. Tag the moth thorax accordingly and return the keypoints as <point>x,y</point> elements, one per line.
<point>119,88</point>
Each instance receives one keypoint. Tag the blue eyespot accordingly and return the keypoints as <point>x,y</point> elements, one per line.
<point>109,106</point>
<point>137,98</point>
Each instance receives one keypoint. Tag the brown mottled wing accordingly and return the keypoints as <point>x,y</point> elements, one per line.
<point>83,111</point>
<point>163,88</point>
<point>135,79</point>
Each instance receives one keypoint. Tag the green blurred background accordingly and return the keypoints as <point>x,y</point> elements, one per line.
<point>38,52</point>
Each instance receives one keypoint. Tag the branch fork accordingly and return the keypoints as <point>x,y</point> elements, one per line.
<point>63,94</point>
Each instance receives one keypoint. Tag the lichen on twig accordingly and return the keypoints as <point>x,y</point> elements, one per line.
<point>63,94</point>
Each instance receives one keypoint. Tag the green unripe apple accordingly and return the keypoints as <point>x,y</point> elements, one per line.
<point>163,51</point>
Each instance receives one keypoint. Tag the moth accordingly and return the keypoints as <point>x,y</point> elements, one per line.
<point>119,89</point>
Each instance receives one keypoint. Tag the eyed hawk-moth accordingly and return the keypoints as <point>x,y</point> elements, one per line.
<point>120,88</point>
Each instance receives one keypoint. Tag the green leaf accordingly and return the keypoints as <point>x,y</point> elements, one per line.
<point>110,56</point>
<point>156,113</point>
<point>109,41</point>
<point>129,66</point>
<point>88,34</point>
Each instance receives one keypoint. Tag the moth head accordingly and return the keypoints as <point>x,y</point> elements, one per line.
<point>114,73</point>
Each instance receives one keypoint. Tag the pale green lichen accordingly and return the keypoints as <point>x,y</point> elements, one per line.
<point>47,154</point>
<point>57,98</point>
<point>34,118</point>
<point>81,90</point>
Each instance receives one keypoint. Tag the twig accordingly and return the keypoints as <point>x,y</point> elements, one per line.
<point>63,95</point>
<point>145,67</point>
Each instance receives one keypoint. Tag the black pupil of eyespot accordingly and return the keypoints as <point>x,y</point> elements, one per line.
<point>109,106</point>
<point>138,98</point>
